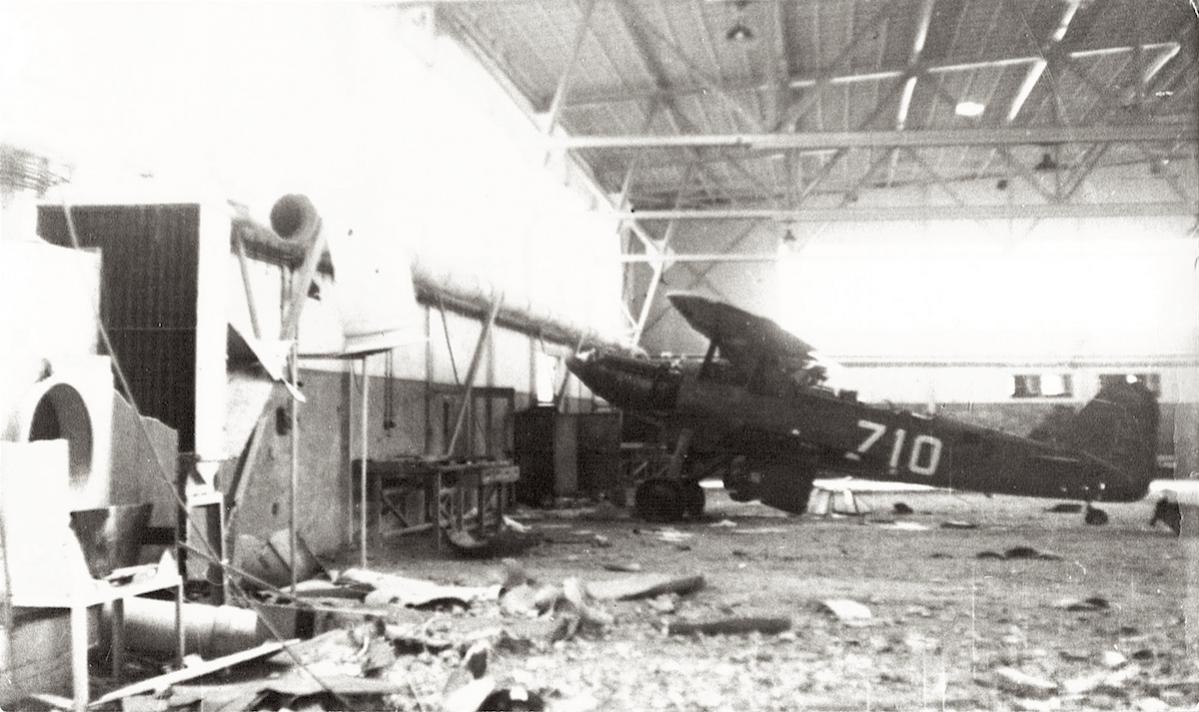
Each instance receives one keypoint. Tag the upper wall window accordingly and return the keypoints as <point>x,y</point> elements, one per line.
<point>1042,385</point>
<point>1152,381</point>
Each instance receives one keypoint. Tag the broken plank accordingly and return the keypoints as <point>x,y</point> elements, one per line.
<point>644,586</point>
<point>729,626</point>
<point>192,672</point>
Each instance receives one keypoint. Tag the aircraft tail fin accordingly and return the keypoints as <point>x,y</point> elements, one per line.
<point>1119,427</point>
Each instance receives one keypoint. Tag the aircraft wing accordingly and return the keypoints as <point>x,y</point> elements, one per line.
<point>742,338</point>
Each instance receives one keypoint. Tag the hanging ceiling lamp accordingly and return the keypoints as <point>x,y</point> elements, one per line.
<point>739,32</point>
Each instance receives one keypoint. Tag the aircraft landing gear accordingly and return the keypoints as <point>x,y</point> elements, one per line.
<point>1094,516</point>
<point>663,500</point>
<point>659,500</point>
<point>693,499</point>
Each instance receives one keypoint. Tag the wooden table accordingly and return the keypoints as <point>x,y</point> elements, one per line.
<point>450,488</point>
<point>80,600</point>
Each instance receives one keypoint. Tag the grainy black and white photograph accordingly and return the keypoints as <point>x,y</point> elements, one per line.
<point>590,355</point>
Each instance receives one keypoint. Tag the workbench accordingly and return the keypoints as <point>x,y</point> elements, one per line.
<point>454,495</point>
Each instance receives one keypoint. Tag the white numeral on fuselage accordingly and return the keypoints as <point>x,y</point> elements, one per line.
<point>923,458</point>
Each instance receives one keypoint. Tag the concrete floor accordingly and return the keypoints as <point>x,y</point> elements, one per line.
<point>944,623</point>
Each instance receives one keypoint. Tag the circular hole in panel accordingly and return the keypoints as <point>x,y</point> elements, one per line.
<point>61,414</point>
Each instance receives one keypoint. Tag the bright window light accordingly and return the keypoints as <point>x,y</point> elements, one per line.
<point>969,109</point>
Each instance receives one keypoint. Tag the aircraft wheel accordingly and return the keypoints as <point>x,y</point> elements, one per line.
<point>1095,517</point>
<point>788,494</point>
<point>693,499</point>
<point>1169,513</point>
<point>659,500</point>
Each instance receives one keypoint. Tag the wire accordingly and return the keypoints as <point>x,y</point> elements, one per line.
<point>171,485</point>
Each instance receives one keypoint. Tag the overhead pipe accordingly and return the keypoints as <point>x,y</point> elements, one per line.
<point>433,288</point>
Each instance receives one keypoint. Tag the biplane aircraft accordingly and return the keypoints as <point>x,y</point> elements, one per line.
<point>756,411</point>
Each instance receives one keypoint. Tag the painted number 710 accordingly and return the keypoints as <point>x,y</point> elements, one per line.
<point>923,457</point>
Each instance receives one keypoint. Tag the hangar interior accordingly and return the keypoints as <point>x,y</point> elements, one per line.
<point>325,335</point>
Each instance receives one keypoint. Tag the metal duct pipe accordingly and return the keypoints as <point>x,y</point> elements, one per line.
<point>294,217</point>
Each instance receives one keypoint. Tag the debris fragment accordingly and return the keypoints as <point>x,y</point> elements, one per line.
<point>1094,603</point>
<point>729,626</point>
<point>666,603</point>
<point>1028,552</point>
<point>1112,659</point>
<point>415,593</point>
<point>724,524</point>
<point>1150,704</point>
<point>1121,677</point>
<point>908,526</point>
<point>1022,683</point>
<point>516,697</point>
<point>848,611</point>
<point>1020,552</point>
<point>516,526</point>
<point>901,508</point>
<point>628,567</point>
<point>469,685</point>
<point>644,586</point>
<point>958,524</point>
<point>1084,684</point>
<point>1032,705</point>
<point>672,536</point>
<point>1065,508</point>
<point>191,672</point>
<point>512,574</point>
<point>1075,655</point>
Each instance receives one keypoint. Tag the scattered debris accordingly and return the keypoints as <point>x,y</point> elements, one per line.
<point>666,603</point>
<point>415,593</point>
<point>902,508</point>
<point>1065,508</point>
<point>162,682</point>
<point>469,685</point>
<point>1084,684</point>
<point>516,526</point>
<point>672,536</point>
<point>1027,552</point>
<point>1019,552</point>
<point>1022,683</point>
<point>729,626</point>
<point>644,586</point>
<point>958,524</point>
<point>1094,603</point>
<point>724,524</point>
<point>498,543</point>
<point>582,603</point>
<point>848,611</point>
<point>529,600</point>
<point>307,564</point>
<point>1074,655</point>
<point>628,567</point>
<point>1150,704</point>
<point>908,527</point>
<point>763,530</point>
<point>1112,659</point>
<point>1121,677</point>
<point>1051,704</point>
